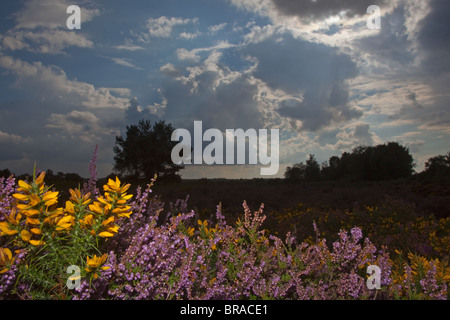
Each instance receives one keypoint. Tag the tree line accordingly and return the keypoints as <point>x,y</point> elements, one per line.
<point>370,163</point>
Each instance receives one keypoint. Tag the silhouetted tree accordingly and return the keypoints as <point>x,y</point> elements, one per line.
<point>393,161</point>
<point>312,170</point>
<point>301,171</point>
<point>146,151</point>
<point>437,168</point>
<point>296,172</point>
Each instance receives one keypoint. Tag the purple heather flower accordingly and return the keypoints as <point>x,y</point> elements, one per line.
<point>7,189</point>
<point>92,183</point>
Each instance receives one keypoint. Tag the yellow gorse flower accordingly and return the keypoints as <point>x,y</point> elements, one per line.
<point>65,223</point>
<point>9,227</point>
<point>110,207</point>
<point>95,263</point>
<point>114,186</point>
<point>76,196</point>
<point>34,206</point>
<point>6,259</point>
<point>34,210</point>
<point>202,223</point>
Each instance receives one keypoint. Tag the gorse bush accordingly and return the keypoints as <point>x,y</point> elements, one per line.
<point>129,248</point>
<point>53,238</point>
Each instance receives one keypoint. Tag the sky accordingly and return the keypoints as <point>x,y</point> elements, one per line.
<point>314,70</point>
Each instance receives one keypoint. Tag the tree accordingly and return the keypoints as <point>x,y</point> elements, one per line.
<point>437,168</point>
<point>312,170</point>
<point>382,162</point>
<point>330,171</point>
<point>394,161</point>
<point>296,172</point>
<point>300,171</point>
<point>146,151</point>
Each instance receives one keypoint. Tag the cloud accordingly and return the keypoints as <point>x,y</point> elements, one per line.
<point>170,70</point>
<point>322,9</point>
<point>189,35</point>
<point>16,139</point>
<point>314,75</point>
<point>356,135</point>
<point>76,124</point>
<point>433,37</point>
<point>124,62</point>
<point>217,27</point>
<point>193,55</point>
<point>64,117</point>
<point>395,49</point>
<point>48,41</point>
<point>50,14</point>
<point>162,27</point>
<point>184,54</point>
<point>41,27</point>
<point>211,92</point>
<point>129,46</point>
<point>51,83</point>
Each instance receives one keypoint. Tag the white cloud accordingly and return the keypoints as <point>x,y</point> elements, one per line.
<point>192,55</point>
<point>162,27</point>
<point>217,27</point>
<point>170,69</point>
<point>189,35</point>
<point>50,14</point>
<point>76,124</point>
<point>47,41</point>
<point>210,66</point>
<point>158,109</point>
<point>184,54</point>
<point>124,62</point>
<point>41,27</point>
<point>388,94</point>
<point>129,46</point>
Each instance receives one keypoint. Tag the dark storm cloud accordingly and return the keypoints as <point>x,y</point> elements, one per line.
<point>319,9</point>
<point>316,71</point>
<point>433,45</point>
<point>292,64</point>
<point>391,45</point>
<point>434,37</point>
